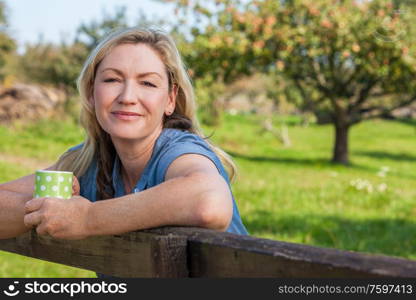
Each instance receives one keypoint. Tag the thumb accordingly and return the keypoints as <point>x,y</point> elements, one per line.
<point>75,186</point>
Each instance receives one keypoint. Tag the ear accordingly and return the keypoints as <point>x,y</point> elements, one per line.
<point>171,104</point>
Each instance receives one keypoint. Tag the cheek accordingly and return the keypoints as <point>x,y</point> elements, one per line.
<point>102,95</point>
<point>155,105</point>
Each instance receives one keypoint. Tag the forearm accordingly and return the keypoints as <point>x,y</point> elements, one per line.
<point>187,201</point>
<point>12,213</point>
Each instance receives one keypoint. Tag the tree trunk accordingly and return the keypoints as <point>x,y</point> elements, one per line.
<point>340,154</point>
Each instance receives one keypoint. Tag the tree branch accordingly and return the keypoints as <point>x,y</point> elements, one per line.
<point>383,111</point>
<point>363,95</point>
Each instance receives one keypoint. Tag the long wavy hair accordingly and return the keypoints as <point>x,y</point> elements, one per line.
<point>98,143</point>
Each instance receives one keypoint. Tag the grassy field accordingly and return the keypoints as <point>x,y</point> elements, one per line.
<point>289,194</point>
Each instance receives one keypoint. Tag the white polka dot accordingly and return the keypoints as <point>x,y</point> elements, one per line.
<point>48,178</point>
<point>66,189</point>
<point>38,178</point>
<point>47,196</point>
<point>69,179</point>
<point>42,188</point>
<point>61,179</point>
<point>54,188</point>
<point>37,196</point>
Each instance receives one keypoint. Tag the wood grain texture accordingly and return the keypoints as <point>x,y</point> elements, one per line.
<point>134,254</point>
<point>175,252</point>
<point>212,254</point>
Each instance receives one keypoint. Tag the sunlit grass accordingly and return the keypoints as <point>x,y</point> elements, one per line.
<point>295,194</point>
<point>13,265</point>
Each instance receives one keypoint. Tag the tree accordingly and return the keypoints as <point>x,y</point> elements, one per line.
<point>60,65</point>
<point>57,65</point>
<point>350,60</point>
<point>90,34</point>
<point>7,44</point>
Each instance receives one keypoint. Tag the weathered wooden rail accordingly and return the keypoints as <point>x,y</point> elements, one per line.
<point>193,252</point>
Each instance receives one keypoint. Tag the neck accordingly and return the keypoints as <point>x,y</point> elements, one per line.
<point>134,156</point>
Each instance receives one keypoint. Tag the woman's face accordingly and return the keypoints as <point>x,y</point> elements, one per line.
<point>131,92</point>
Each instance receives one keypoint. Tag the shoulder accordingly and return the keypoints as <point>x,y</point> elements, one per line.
<point>74,148</point>
<point>171,136</point>
<point>174,143</point>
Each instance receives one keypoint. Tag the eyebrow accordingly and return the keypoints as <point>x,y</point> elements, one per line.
<point>140,74</point>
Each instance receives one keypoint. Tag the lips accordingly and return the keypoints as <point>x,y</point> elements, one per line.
<point>126,115</point>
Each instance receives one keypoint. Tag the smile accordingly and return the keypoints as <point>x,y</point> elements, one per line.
<point>124,115</point>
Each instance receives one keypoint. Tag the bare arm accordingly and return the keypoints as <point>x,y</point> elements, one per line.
<point>12,211</point>
<point>13,197</point>
<point>193,194</point>
<point>23,185</point>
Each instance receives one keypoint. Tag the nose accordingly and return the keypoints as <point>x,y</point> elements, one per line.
<point>129,94</point>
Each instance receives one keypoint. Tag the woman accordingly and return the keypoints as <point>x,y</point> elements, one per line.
<point>143,157</point>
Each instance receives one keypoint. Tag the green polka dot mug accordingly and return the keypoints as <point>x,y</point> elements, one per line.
<point>53,184</point>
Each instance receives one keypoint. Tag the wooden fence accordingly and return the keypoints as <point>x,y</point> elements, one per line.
<point>176,252</point>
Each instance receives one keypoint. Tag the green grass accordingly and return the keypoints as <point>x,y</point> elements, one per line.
<point>289,194</point>
<point>10,171</point>
<point>13,265</point>
<point>31,141</point>
<point>294,194</point>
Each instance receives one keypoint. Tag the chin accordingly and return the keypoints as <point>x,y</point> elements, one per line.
<point>129,132</point>
<point>125,132</point>
<point>126,136</point>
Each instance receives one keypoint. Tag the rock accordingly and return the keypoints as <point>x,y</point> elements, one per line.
<point>26,102</point>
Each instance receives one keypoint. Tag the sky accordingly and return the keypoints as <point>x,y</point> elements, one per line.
<point>55,20</point>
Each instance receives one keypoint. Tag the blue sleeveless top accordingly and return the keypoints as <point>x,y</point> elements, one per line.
<point>170,144</point>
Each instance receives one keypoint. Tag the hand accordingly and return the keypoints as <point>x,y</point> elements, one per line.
<point>60,218</point>
<point>75,186</point>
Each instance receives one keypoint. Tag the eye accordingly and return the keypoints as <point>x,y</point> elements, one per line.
<point>110,80</point>
<point>147,83</point>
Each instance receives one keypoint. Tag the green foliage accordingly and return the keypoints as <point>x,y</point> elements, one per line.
<point>57,65</point>
<point>7,43</point>
<point>90,34</point>
<point>60,65</point>
<point>350,60</point>
<point>207,92</point>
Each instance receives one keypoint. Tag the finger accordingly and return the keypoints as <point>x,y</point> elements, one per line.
<point>75,186</point>
<point>41,229</point>
<point>32,219</point>
<point>75,190</point>
<point>33,204</point>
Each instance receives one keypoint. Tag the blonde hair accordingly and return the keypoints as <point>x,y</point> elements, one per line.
<point>98,143</point>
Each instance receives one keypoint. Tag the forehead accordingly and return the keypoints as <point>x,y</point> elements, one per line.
<point>133,58</point>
